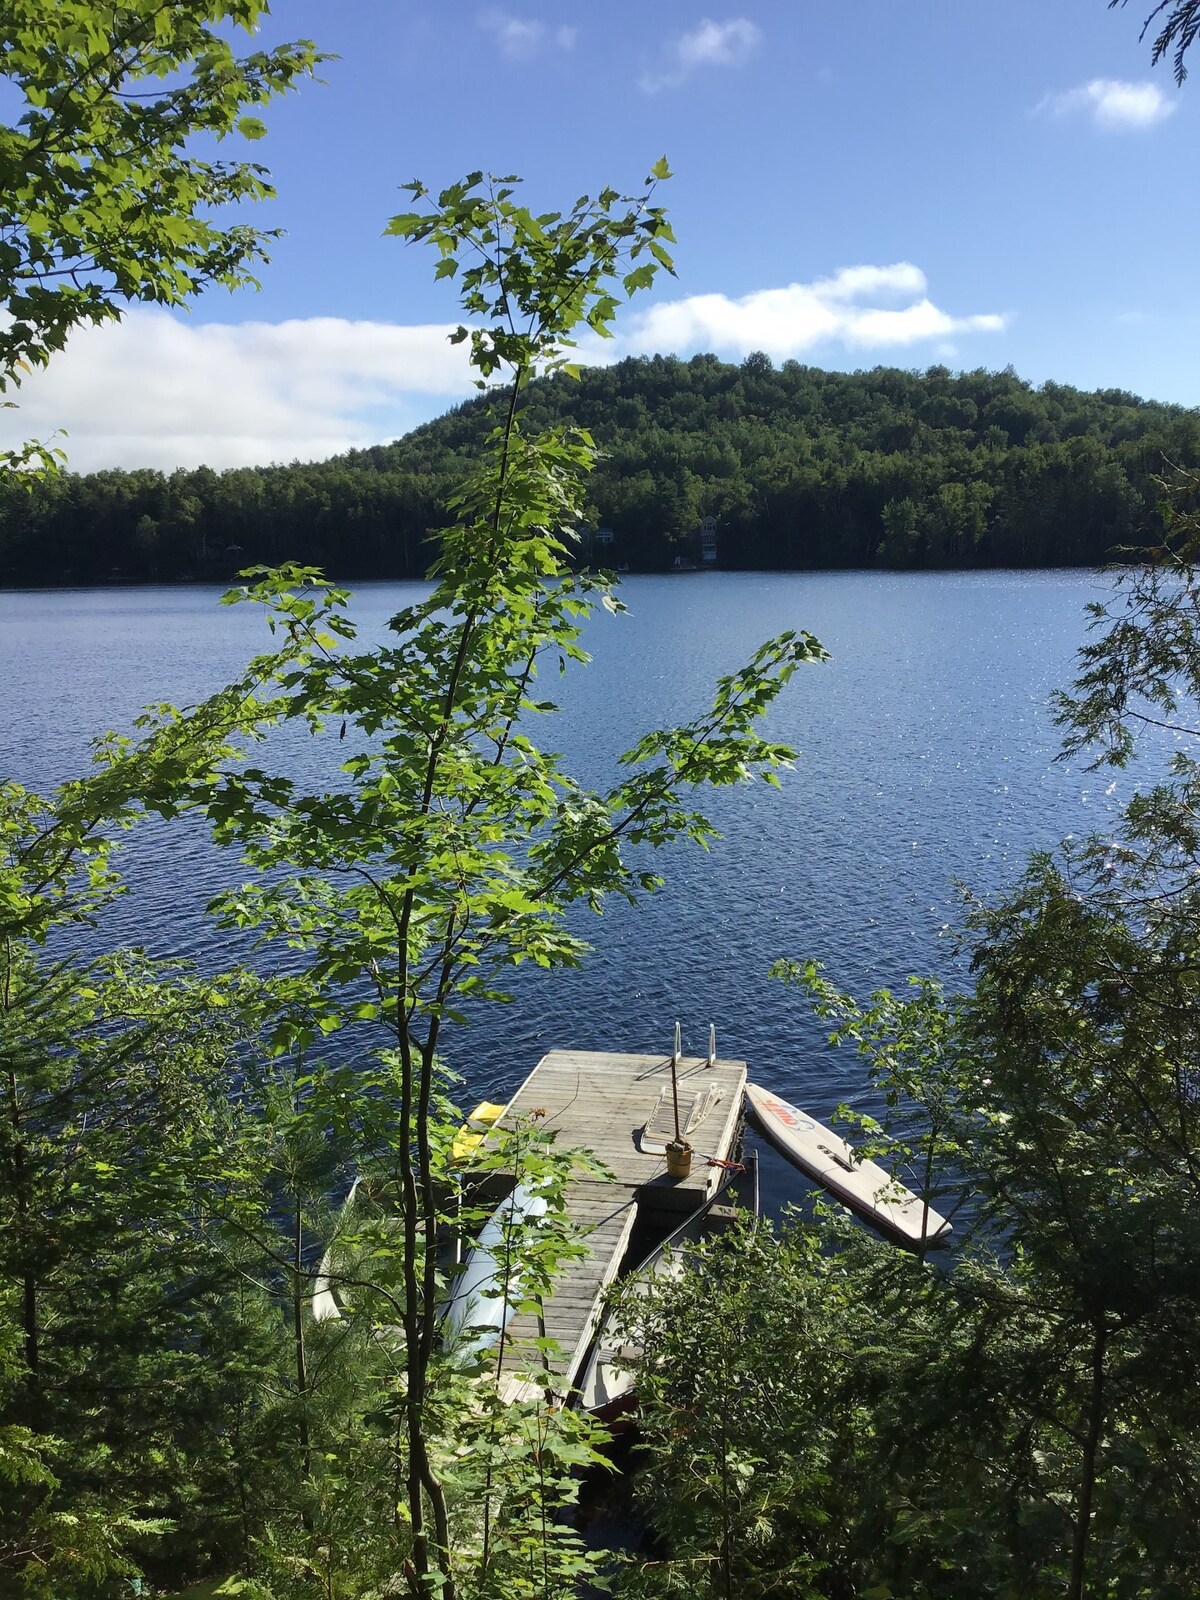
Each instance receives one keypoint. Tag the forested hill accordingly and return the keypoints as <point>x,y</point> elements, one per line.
<point>800,468</point>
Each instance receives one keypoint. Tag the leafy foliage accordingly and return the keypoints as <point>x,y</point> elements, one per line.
<point>830,1417</point>
<point>1177,33</point>
<point>102,201</point>
<point>346,1454</point>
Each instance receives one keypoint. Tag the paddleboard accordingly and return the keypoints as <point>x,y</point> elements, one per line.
<point>863,1185</point>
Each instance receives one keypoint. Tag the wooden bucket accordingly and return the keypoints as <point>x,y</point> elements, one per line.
<point>679,1159</point>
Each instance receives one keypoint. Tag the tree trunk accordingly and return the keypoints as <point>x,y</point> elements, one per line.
<point>419,1326</point>
<point>1087,1477</point>
<point>302,1387</point>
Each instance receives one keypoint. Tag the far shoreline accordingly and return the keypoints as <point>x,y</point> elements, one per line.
<point>221,585</point>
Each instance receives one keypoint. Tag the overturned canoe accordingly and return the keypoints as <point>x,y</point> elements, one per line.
<point>329,1293</point>
<point>486,1292</point>
<point>864,1186</point>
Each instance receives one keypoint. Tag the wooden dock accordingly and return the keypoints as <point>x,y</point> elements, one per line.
<point>600,1103</point>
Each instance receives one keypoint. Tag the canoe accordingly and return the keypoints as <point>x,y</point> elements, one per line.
<point>486,1292</point>
<point>329,1296</point>
<point>483,1294</point>
<point>864,1186</point>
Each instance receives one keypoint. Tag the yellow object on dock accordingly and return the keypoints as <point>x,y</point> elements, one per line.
<point>475,1130</point>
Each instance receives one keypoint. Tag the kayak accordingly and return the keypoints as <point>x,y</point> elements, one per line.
<point>864,1186</point>
<point>475,1130</point>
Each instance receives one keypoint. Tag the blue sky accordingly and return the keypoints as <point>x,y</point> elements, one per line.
<point>890,182</point>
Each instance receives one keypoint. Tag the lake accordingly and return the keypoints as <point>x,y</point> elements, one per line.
<point>925,759</point>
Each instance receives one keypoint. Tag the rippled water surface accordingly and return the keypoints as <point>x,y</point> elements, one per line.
<point>925,757</point>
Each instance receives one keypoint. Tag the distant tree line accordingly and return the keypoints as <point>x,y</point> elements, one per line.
<point>800,467</point>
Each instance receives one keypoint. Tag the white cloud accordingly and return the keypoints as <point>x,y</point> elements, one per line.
<point>709,44</point>
<point>899,281</point>
<point>158,390</point>
<point>1112,103</point>
<point>843,309</point>
<point>521,38</point>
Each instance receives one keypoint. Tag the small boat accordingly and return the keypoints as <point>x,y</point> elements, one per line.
<point>483,1293</point>
<point>864,1186</point>
<point>607,1379</point>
